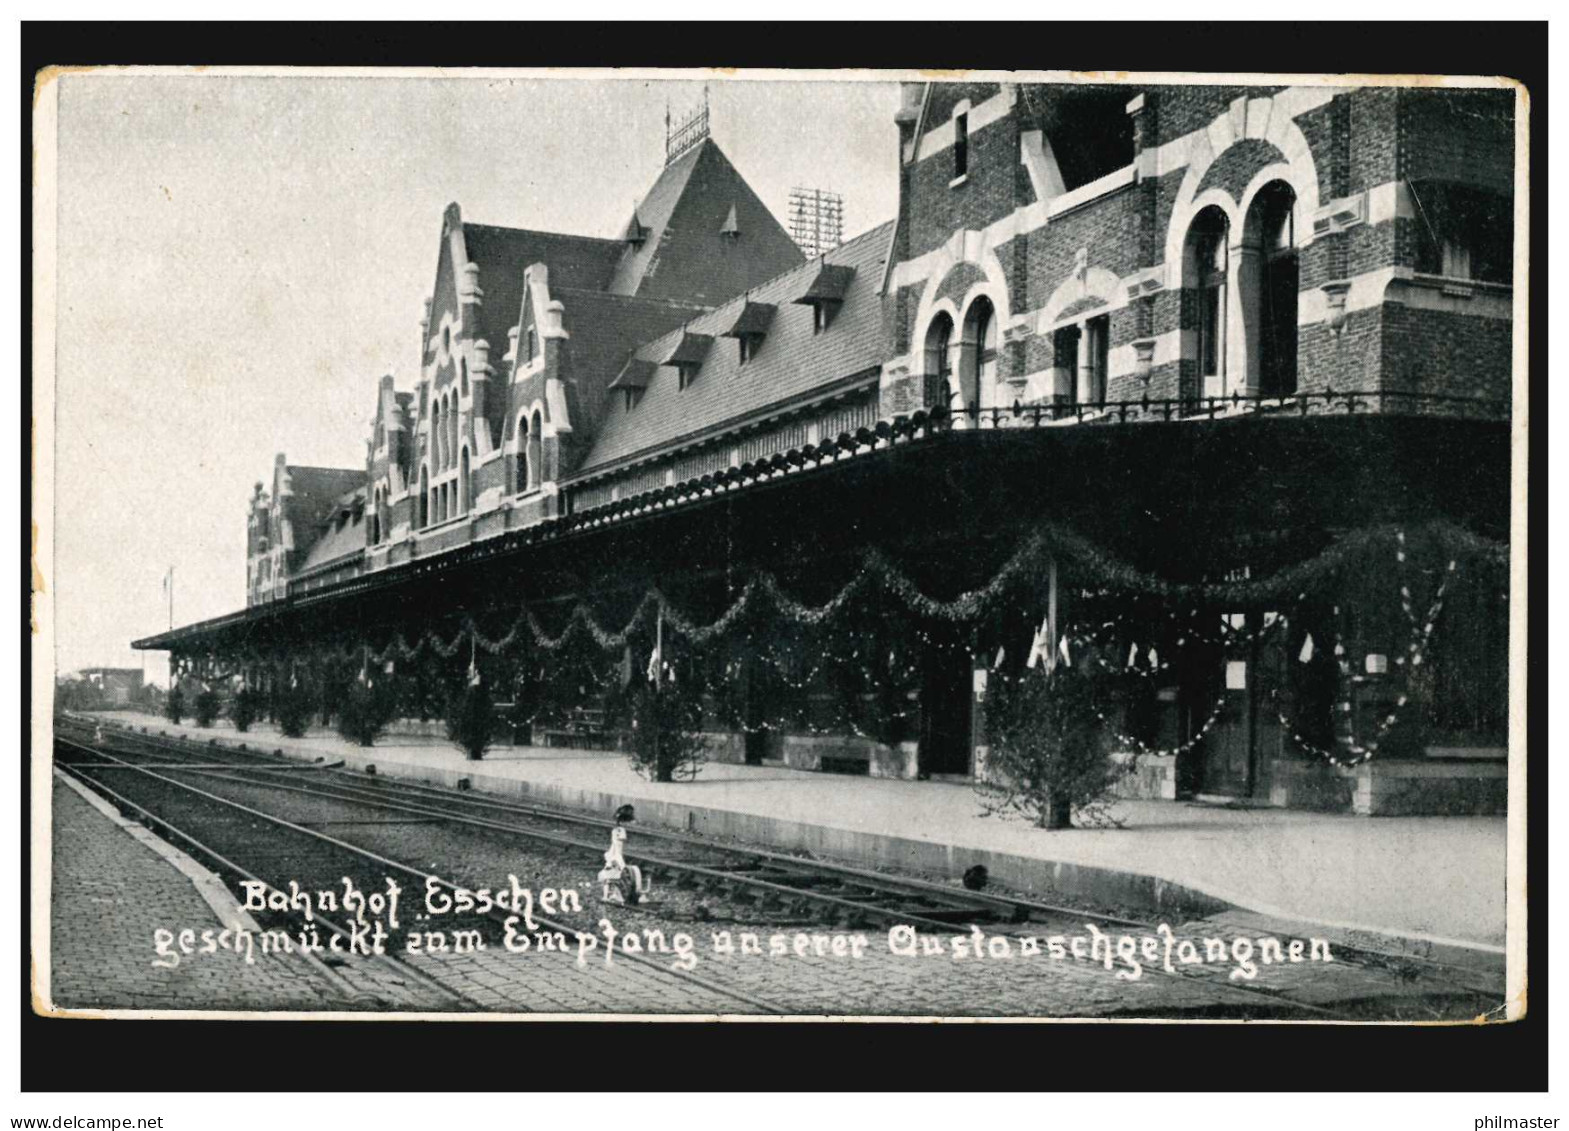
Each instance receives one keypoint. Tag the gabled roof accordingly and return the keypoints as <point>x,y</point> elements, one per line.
<point>504,253</point>
<point>686,255</point>
<point>341,532</point>
<point>792,362</point>
<point>315,492</point>
<point>603,330</point>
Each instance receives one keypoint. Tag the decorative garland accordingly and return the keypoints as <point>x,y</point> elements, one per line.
<point>1416,649</point>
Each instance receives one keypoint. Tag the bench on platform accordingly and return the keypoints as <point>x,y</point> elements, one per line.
<point>584,727</point>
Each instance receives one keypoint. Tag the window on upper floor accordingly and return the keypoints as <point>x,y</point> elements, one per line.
<point>530,344</point>
<point>1065,345</point>
<point>1086,128</point>
<point>1208,245</point>
<point>1463,232</point>
<point>446,339</point>
<point>536,465</point>
<point>630,398</point>
<point>939,360</point>
<point>961,145</point>
<point>463,376</point>
<point>1097,359</point>
<point>978,357</point>
<point>1271,227</point>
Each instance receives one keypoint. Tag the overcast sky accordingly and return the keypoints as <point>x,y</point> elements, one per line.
<point>241,258</point>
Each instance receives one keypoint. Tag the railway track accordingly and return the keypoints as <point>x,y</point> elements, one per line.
<point>755,884</point>
<point>276,850</point>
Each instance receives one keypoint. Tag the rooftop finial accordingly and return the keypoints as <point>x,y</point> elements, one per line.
<point>684,135</point>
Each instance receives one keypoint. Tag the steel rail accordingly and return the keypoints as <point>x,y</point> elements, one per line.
<point>358,792</point>
<point>429,877</point>
<point>1253,993</point>
<point>402,969</point>
<point>1008,905</point>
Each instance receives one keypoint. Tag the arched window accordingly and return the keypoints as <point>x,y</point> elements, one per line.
<point>939,361</point>
<point>452,430</point>
<point>1271,229</point>
<point>535,464</point>
<point>463,482</point>
<point>1209,264</point>
<point>520,480</point>
<point>978,358</point>
<point>424,497</point>
<point>463,375</point>
<point>436,443</point>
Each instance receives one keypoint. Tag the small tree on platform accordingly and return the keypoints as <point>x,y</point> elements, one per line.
<point>174,705</point>
<point>471,719</point>
<point>364,712</point>
<point>206,707</point>
<point>245,708</point>
<point>292,708</point>
<point>666,741</point>
<point>1049,758</point>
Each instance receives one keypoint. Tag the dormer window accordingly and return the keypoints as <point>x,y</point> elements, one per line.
<point>750,327</point>
<point>632,380</point>
<point>686,357</point>
<point>826,294</point>
<point>636,233</point>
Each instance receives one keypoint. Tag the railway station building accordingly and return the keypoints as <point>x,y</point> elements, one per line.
<point>1207,386</point>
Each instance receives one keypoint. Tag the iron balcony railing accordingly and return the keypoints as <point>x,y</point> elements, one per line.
<point>941,420</point>
<point>1327,402</point>
<point>915,426</point>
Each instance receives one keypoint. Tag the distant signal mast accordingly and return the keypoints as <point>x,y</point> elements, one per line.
<point>816,220</point>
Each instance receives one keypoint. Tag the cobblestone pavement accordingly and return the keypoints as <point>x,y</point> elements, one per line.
<point>110,893</point>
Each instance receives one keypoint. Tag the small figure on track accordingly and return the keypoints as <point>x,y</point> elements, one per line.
<point>621,882</point>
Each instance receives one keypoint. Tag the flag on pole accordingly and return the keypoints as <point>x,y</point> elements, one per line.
<point>1040,649</point>
<point>1307,649</point>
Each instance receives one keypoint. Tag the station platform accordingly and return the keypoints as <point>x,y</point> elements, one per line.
<point>1420,885</point>
<point>114,886</point>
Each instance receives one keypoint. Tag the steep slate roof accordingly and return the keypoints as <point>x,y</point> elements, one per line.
<point>332,543</point>
<point>685,255</point>
<point>791,362</point>
<point>504,253</point>
<point>603,330</point>
<point>316,491</point>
